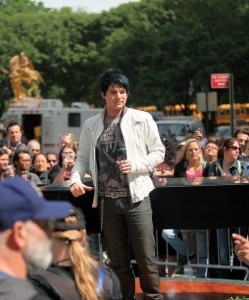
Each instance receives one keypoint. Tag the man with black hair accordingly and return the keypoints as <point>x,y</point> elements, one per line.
<point>22,163</point>
<point>121,146</point>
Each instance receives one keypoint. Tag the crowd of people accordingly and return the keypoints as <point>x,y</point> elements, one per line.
<point>194,160</point>
<point>26,159</point>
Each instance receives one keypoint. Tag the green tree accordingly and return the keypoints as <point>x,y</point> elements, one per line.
<point>161,45</point>
<point>11,7</point>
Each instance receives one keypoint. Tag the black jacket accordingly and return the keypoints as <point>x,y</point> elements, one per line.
<point>181,167</point>
<point>15,288</point>
<point>61,285</point>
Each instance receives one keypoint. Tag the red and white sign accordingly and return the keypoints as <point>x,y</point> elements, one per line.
<point>220,81</point>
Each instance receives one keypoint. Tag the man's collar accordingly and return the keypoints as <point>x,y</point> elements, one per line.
<point>12,147</point>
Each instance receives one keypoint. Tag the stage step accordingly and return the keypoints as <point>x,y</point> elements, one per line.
<point>196,289</point>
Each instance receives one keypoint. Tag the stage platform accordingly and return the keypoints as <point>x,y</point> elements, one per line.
<point>179,289</point>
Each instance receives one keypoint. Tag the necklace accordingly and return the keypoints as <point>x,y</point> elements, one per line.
<point>111,123</point>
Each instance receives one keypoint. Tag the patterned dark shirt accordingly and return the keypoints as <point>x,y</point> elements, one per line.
<point>110,148</point>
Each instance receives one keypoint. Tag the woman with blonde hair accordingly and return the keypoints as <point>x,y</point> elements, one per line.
<point>190,161</point>
<point>68,138</point>
<point>190,164</point>
<point>80,276</point>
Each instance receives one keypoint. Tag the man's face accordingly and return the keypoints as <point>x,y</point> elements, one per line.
<point>243,139</point>
<point>24,162</point>
<point>15,135</point>
<point>211,149</point>
<point>4,161</point>
<point>38,253</point>
<point>115,98</point>
<point>40,163</point>
<point>35,147</point>
<point>52,160</point>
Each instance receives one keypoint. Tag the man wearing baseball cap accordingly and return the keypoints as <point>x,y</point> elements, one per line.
<point>25,229</point>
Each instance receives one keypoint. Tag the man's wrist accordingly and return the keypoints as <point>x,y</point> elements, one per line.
<point>71,184</point>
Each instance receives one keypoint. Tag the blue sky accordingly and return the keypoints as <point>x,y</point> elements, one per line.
<point>90,6</point>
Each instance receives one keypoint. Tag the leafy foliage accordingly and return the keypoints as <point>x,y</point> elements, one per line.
<point>161,45</point>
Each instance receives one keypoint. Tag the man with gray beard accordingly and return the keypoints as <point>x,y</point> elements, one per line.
<point>25,231</point>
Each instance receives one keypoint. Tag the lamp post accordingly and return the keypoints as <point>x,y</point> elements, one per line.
<point>231,100</point>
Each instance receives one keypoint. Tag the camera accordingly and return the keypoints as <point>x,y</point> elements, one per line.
<point>8,170</point>
<point>66,155</point>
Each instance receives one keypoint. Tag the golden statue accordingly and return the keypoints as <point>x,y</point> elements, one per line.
<point>22,74</point>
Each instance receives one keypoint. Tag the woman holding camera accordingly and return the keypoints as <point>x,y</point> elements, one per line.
<point>67,157</point>
<point>6,170</point>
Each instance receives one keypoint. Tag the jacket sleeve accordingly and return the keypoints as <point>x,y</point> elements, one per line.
<point>82,161</point>
<point>150,152</point>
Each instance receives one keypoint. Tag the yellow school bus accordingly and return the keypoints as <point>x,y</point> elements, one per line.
<point>246,111</point>
<point>223,113</point>
<point>177,110</point>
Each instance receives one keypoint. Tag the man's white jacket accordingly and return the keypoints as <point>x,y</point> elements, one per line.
<point>144,150</point>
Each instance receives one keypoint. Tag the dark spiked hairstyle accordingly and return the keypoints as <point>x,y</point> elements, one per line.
<point>113,76</point>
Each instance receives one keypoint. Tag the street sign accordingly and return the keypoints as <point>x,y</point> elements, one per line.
<point>211,97</point>
<point>220,81</point>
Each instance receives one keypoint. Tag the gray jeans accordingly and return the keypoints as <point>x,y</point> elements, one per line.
<point>124,225</point>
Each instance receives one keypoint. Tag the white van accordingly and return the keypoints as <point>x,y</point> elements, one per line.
<point>48,120</point>
<point>180,126</point>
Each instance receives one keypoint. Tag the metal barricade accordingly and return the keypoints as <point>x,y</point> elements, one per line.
<point>223,252</point>
<point>100,252</point>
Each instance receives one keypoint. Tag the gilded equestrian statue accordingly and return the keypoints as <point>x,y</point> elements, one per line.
<point>23,77</point>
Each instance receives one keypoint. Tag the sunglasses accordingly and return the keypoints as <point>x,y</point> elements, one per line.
<point>235,148</point>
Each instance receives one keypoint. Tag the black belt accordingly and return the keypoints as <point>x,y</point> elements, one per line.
<point>114,195</point>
